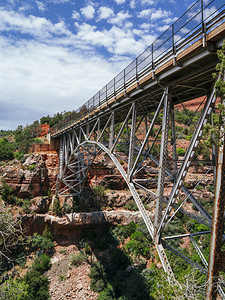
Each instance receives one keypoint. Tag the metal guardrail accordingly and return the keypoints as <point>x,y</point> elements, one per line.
<point>194,24</point>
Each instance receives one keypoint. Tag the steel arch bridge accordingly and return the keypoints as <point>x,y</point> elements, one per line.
<point>132,120</point>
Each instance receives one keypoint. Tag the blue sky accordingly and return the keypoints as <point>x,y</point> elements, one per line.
<point>56,54</point>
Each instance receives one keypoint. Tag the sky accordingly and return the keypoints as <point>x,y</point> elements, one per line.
<point>56,54</point>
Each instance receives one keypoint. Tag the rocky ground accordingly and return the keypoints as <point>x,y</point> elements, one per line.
<point>68,281</point>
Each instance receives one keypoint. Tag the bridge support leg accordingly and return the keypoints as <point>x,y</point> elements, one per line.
<point>217,228</point>
<point>173,140</point>
<point>112,134</point>
<point>163,159</point>
<point>132,139</point>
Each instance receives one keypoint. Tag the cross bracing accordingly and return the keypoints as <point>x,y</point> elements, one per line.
<point>134,124</point>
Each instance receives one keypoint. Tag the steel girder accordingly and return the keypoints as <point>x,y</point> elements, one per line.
<point>130,136</point>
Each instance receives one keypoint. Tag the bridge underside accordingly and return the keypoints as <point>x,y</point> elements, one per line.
<point>139,131</point>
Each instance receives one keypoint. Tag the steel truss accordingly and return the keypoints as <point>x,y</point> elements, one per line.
<point>142,146</point>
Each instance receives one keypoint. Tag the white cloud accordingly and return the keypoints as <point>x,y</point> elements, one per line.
<point>88,11</point>
<point>119,18</point>
<point>154,14</point>
<point>159,14</point>
<point>25,7</point>
<point>132,4</point>
<point>147,26</point>
<point>163,28</point>
<point>75,15</point>
<point>36,80</point>
<point>145,13</point>
<point>120,1</point>
<point>35,26</point>
<point>58,1</point>
<point>116,40</point>
<point>41,6</point>
<point>149,2</point>
<point>169,21</point>
<point>105,12</point>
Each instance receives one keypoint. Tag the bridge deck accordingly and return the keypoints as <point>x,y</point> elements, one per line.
<point>189,72</point>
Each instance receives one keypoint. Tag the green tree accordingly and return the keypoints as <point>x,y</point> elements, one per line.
<point>6,150</point>
<point>6,192</point>
<point>38,287</point>
<point>14,290</point>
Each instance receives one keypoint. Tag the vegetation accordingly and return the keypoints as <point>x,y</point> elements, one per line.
<point>78,258</point>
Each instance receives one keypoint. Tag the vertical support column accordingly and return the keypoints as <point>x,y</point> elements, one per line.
<point>65,149</point>
<point>88,129</point>
<point>163,159</point>
<point>203,25</point>
<point>214,158</point>
<point>132,139</point>
<point>173,139</point>
<point>146,129</point>
<point>217,220</point>
<point>217,226</point>
<point>61,158</point>
<point>112,133</point>
<point>98,129</point>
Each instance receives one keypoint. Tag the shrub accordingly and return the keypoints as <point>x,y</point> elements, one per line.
<point>98,277</point>
<point>41,263</point>
<point>210,188</point>
<point>57,210</point>
<point>6,149</point>
<point>62,277</point>
<point>6,192</point>
<point>38,287</point>
<point>99,190</point>
<point>26,206</point>
<point>67,208</point>
<point>14,290</point>
<point>131,206</point>
<point>42,243</point>
<point>78,259</point>
<point>47,233</point>
<point>138,244</point>
<point>31,167</point>
<point>19,155</point>
<point>180,152</point>
<point>107,293</point>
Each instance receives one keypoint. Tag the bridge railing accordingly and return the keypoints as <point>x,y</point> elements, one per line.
<point>201,18</point>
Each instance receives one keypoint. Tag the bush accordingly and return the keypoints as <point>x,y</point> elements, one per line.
<point>6,192</point>
<point>38,287</point>
<point>6,150</point>
<point>107,293</point>
<point>26,206</point>
<point>57,210</point>
<point>14,290</point>
<point>180,152</point>
<point>41,264</point>
<point>78,259</point>
<point>67,208</point>
<point>131,206</point>
<point>138,244</point>
<point>99,190</point>
<point>98,277</point>
<point>42,243</point>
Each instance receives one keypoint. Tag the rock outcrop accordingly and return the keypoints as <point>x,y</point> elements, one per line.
<point>27,179</point>
<point>70,226</point>
<point>40,204</point>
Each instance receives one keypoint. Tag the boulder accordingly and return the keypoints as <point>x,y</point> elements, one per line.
<point>40,204</point>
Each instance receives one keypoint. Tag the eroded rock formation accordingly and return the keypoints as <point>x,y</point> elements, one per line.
<point>27,179</point>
